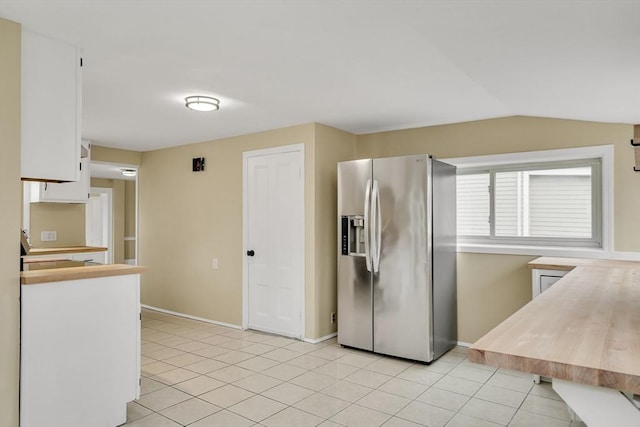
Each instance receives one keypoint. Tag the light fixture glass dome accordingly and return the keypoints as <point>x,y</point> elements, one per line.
<point>202,103</point>
<point>128,172</point>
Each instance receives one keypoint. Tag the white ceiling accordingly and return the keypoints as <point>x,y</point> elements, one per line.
<point>360,66</point>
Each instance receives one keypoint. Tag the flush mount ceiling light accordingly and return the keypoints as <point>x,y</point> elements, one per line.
<point>128,172</point>
<point>202,103</point>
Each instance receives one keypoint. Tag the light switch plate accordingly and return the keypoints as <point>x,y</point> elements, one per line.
<point>214,263</point>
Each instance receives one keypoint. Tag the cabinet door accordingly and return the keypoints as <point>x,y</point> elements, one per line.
<point>542,279</point>
<point>51,106</point>
<point>547,281</point>
<point>66,192</point>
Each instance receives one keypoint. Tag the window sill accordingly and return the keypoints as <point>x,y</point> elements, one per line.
<point>554,251</point>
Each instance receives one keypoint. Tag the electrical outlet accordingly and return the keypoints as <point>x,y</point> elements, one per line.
<point>333,317</point>
<point>48,236</point>
<point>214,263</point>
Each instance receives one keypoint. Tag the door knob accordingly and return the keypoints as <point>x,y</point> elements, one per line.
<point>251,252</point>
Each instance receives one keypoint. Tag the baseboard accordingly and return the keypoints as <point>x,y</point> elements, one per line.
<point>317,340</point>
<point>228,325</point>
<point>188,316</point>
<point>464,344</point>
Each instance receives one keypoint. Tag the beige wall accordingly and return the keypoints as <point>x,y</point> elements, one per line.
<point>332,146</point>
<point>66,219</point>
<point>188,218</point>
<point>491,287</point>
<point>10,206</point>
<point>114,155</point>
<point>202,214</point>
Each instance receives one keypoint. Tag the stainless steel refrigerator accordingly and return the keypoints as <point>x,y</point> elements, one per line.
<point>397,256</point>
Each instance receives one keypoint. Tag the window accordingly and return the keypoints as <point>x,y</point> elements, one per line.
<point>549,199</point>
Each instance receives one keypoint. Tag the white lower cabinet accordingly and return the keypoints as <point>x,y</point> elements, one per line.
<point>80,355</point>
<point>541,280</point>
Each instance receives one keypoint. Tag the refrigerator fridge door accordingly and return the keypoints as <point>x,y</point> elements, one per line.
<point>354,278</point>
<point>445,323</point>
<point>402,318</point>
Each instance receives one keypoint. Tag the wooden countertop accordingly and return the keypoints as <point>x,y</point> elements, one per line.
<point>585,328</point>
<point>65,250</point>
<point>567,264</point>
<point>74,273</point>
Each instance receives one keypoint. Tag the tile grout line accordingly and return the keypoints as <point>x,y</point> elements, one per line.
<point>172,333</point>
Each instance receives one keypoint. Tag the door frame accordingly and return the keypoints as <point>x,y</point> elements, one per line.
<point>109,220</point>
<point>301,233</point>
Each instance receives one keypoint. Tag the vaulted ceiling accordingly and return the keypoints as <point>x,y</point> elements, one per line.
<point>360,66</point>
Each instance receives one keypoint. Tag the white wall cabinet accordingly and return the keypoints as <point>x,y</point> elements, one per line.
<point>51,109</point>
<point>80,356</point>
<point>66,192</point>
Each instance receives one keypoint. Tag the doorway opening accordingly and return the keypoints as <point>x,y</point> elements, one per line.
<point>99,223</point>
<point>123,233</point>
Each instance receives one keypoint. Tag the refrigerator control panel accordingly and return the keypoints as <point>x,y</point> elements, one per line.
<point>352,235</point>
<point>345,235</point>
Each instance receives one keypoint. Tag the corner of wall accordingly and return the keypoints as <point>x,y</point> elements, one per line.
<point>11,201</point>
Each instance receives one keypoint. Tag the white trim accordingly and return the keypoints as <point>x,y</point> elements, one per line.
<point>111,246</point>
<point>245,284</point>
<point>464,344</point>
<point>564,154</point>
<point>548,251</point>
<point>318,340</point>
<point>26,207</point>
<point>604,152</point>
<point>188,316</point>
<point>137,217</point>
<point>128,239</point>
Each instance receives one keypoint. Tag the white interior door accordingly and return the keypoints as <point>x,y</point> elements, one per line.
<point>98,224</point>
<point>274,241</point>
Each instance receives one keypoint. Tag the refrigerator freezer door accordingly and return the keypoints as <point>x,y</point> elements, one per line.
<point>354,281</point>
<point>402,319</point>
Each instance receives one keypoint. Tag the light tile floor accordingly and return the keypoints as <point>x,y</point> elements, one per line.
<point>202,375</point>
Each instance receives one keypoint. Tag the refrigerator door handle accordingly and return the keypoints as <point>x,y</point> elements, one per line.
<point>377,223</point>
<point>367,221</point>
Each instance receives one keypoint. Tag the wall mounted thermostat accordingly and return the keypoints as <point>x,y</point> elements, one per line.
<point>198,164</point>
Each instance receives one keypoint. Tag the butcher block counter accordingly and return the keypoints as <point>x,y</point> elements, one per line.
<point>49,275</point>
<point>584,329</point>
<point>65,250</point>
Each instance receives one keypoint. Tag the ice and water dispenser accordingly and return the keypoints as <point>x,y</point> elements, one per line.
<point>353,235</point>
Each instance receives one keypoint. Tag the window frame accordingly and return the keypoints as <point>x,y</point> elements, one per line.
<point>547,159</point>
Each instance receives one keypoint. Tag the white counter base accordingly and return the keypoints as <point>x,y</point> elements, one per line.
<point>80,355</point>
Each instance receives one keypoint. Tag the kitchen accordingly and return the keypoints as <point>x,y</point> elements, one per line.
<point>180,278</point>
